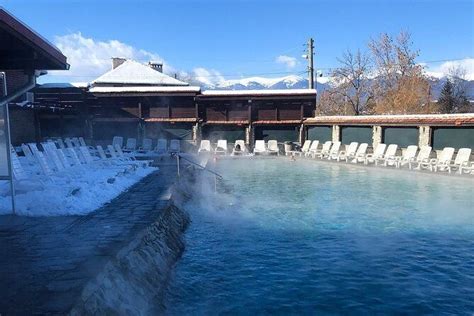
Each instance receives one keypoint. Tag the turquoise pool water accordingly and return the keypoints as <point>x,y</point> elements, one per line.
<point>312,237</point>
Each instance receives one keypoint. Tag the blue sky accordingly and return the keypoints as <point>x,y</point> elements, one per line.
<point>242,38</point>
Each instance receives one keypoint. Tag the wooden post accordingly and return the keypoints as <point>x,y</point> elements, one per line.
<point>302,134</point>
<point>249,136</point>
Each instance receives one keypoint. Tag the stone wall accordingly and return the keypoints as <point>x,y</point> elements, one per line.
<point>135,280</point>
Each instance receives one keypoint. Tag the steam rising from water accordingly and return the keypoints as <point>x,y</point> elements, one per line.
<point>308,236</point>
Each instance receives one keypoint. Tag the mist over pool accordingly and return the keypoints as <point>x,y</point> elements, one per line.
<point>304,237</point>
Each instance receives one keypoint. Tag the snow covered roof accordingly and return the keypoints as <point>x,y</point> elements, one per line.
<point>149,89</point>
<point>132,72</point>
<point>284,92</point>
<point>64,85</point>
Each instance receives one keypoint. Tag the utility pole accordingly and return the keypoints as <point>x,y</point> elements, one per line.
<point>310,63</point>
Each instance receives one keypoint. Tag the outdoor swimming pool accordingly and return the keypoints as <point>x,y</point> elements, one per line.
<point>309,236</point>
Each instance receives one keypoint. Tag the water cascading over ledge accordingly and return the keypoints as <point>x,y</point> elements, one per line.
<point>135,279</point>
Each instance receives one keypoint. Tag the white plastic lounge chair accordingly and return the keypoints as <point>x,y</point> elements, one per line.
<point>441,162</point>
<point>52,155</point>
<point>305,148</point>
<point>131,145</point>
<point>122,155</point>
<point>423,157</point>
<point>273,147</point>
<point>101,152</point>
<point>28,154</point>
<point>359,155</point>
<point>147,145</point>
<point>71,153</point>
<point>205,146</point>
<point>462,159</point>
<point>161,146</point>
<point>117,163</point>
<point>69,143</point>
<point>82,142</point>
<point>60,143</point>
<point>41,159</point>
<point>377,154</point>
<point>18,171</point>
<point>175,146</point>
<point>324,150</point>
<point>350,151</point>
<point>334,152</point>
<point>408,155</point>
<point>63,158</point>
<point>86,154</point>
<point>467,168</point>
<point>390,153</point>
<point>259,147</point>
<point>313,148</point>
<point>118,156</point>
<point>23,182</point>
<point>117,141</point>
<point>239,148</point>
<point>51,152</point>
<point>221,148</point>
<point>303,151</point>
<point>76,142</point>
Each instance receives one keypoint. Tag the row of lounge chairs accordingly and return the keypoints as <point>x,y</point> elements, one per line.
<point>413,157</point>
<point>58,156</point>
<point>261,148</point>
<point>147,146</point>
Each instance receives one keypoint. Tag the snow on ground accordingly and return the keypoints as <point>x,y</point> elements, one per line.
<point>78,191</point>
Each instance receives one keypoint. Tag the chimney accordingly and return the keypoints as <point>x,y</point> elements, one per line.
<point>156,66</point>
<point>117,61</point>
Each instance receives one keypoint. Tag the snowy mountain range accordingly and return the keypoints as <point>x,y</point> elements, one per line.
<point>299,82</point>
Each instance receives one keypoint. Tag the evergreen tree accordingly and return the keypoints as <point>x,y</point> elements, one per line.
<point>447,99</point>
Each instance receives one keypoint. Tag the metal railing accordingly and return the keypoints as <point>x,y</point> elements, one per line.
<point>179,157</point>
<point>216,175</point>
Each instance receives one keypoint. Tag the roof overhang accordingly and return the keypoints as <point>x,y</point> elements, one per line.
<point>259,93</point>
<point>133,91</point>
<point>170,120</point>
<point>23,48</point>
<point>395,120</point>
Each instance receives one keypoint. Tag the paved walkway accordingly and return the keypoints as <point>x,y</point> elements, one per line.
<point>46,261</point>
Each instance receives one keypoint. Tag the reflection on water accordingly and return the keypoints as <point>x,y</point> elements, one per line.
<point>312,236</point>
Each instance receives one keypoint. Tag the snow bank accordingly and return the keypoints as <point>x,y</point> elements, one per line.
<point>77,192</point>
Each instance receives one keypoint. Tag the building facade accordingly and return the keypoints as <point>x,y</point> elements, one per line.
<point>139,100</point>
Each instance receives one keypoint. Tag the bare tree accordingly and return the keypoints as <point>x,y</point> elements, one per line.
<point>457,77</point>
<point>351,81</point>
<point>331,103</point>
<point>400,86</point>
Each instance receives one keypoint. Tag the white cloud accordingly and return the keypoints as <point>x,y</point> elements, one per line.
<point>443,69</point>
<point>209,77</point>
<point>90,58</point>
<point>288,61</point>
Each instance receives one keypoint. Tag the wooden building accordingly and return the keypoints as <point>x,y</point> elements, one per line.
<point>255,114</point>
<point>138,100</point>
<point>132,100</point>
<point>24,55</point>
